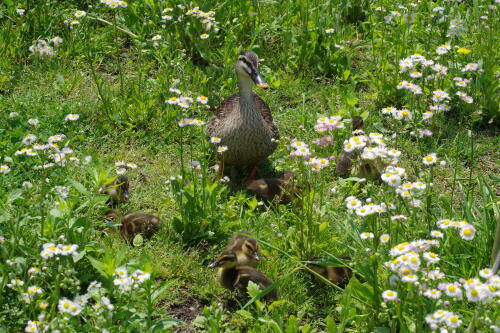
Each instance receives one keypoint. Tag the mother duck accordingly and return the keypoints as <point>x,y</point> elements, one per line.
<point>243,121</point>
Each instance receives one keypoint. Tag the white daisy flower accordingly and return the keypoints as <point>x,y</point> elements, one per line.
<point>389,295</point>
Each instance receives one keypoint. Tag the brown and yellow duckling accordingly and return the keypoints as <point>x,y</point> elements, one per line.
<point>233,276</point>
<point>279,189</point>
<point>339,275</point>
<point>118,190</point>
<point>134,224</point>
<point>246,249</point>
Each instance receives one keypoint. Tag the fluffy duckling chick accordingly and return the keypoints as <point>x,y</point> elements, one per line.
<point>279,189</point>
<point>245,248</point>
<point>134,224</point>
<point>344,164</point>
<point>368,171</point>
<point>233,276</point>
<point>357,123</point>
<point>118,190</point>
<point>339,275</point>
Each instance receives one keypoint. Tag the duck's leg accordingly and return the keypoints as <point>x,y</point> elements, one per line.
<point>253,172</point>
<point>221,169</point>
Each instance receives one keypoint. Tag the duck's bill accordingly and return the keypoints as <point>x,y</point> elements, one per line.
<point>259,80</point>
<point>256,256</point>
<point>214,264</point>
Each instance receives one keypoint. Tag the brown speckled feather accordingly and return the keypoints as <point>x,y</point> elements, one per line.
<point>231,103</point>
<point>250,137</point>
<point>265,112</point>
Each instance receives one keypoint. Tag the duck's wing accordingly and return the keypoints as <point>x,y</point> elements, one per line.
<point>265,112</point>
<point>227,106</point>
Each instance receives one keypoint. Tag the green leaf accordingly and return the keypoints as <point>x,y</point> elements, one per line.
<point>112,224</point>
<point>161,289</point>
<point>163,324</point>
<point>345,76</point>
<point>14,195</point>
<point>98,265</point>
<point>292,325</point>
<point>56,212</point>
<point>79,256</point>
<point>382,330</point>
<point>138,240</point>
<point>331,327</point>
<point>79,187</point>
<point>352,101</point>
<point>245,314</point>
<point>253,289</point>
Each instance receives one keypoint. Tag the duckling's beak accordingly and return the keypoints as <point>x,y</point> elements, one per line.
<point>255,255</point>
<point>125,195</point>
<point>214,264</point>
<point>258,79</point>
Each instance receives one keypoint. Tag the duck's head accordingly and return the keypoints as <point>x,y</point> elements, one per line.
<point>251,249</point>
<point>226,259</point>
<point>247,70</point>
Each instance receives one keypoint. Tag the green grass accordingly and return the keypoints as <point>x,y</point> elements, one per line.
<point>117,80</point>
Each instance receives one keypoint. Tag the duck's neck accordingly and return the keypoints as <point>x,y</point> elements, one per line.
<point>245,86</point>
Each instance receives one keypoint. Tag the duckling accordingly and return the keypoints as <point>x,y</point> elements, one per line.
<point>368,171</point>
<point>346,159</point>
<point>357,123</point>
<point>118,190</point>
<point>243,121</point>
<point>280,188</point>
<point>233,276</point>
<point>134,224</point>
<point>363,169</point>
<point>245,248</point>
<point>339,275</point>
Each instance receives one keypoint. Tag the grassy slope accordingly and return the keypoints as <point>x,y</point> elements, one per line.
<point>298,102</point>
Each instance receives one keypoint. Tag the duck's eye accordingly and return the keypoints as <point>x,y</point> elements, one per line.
<point>247,66</point>
<point>249,247</point>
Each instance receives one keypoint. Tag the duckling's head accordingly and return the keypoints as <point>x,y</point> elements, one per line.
<point>226,259</point>
<point>251,249</point>
<point>111,215</point>
<point>247,70</point>
<point>357,123</point>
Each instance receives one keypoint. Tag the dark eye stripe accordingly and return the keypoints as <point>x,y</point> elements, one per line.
<point>246,62</point>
